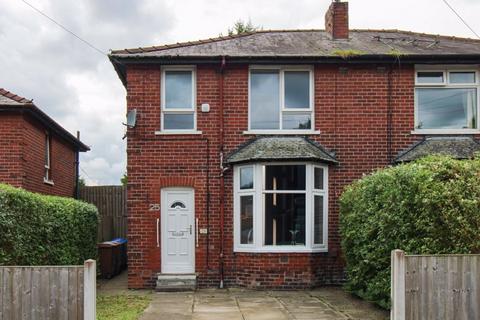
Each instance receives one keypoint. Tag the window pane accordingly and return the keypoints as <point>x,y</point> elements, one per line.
<point>264,100</point>
<point>462,77</point>
<point>297,121</point>
<point>429,77</point>
<point>297,89</point>
<point>246,219</point>
<point>318,183</point>
<point>178,90</point>
<point>246,178</point>
<point>289,177</point>
<point>284,219</point>
<point>174,121</point>
<point>318,219</point>
<point>446,108</point>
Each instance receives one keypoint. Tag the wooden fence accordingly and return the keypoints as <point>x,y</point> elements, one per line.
<point>435,287</point>
<point>48,292</point>
<point>111,202</point>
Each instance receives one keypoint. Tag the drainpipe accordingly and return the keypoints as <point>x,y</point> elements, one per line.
<point>222,170</point>
<point>77,170</point>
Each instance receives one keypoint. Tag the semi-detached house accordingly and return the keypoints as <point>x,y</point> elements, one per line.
<point>243,144</point>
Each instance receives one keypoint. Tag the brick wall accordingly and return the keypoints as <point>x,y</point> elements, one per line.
<point>351,111</point>
<point>22,157</point>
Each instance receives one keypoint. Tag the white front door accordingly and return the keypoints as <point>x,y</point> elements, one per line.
<point>178,224</point>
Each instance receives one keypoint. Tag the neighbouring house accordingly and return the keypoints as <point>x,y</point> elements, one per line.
<point>36,153</point>
<point>244,143</point>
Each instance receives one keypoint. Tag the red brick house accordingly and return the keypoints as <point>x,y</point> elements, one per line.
<point>36,153</point>
<point>243,144</point>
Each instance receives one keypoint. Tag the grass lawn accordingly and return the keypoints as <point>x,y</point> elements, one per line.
<point>121,307</point>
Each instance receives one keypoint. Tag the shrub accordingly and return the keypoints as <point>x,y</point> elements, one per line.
<point>431,206</point>
<point>45,230</point>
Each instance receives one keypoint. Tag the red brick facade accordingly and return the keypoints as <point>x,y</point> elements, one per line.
<point>22,156</point>
<point>364,113</point>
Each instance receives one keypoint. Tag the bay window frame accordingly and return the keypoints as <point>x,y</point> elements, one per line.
<point>282,108</point>
<point>259,193</point>
<point>446,70</point>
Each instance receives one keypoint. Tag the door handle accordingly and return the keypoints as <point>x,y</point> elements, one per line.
<point>190,229</point>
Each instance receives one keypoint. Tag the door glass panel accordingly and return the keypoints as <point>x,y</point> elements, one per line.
<point>246,219</point>
<point>285,219</point>
<point>264,100</point>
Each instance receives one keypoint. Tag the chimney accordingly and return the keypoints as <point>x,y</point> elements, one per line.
<point>336,20</point>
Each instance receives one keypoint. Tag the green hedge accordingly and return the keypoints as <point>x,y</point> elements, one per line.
<point>431,206</point>
<point>45,230</point>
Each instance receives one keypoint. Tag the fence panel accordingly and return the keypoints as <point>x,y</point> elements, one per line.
<point>48,292</point>
<point>435,287</point>
<point>111,202</point>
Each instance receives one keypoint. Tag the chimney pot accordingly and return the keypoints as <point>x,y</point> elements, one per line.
<point>336,20</point>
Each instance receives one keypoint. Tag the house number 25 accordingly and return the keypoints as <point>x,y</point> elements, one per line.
<point>154,207</point>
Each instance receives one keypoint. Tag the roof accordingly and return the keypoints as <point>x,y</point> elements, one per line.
<point>456,147</point>
<point>312,43</point>
<point>317,45</point>
<point>10,102</point>
<point>280,148</point>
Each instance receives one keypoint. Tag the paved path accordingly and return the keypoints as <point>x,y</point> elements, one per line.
<point>232,304</point>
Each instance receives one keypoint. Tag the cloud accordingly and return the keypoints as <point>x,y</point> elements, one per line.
<point>78,87</point>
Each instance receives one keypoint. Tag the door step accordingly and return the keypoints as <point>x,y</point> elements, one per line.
<point>176,282</point>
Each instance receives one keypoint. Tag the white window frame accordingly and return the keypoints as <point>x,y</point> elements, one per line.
<point>446,70</point>
<point>48,159</point>
<point>192,110</point>
<point>281,70</point>
<point>259,204</point>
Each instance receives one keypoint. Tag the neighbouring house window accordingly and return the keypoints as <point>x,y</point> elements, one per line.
<point>47,176</point>
<point>281,99</point>
<point>446,100</point>
<point>178,99</point>
<point>281,207</point>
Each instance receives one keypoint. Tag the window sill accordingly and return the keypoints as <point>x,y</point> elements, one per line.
<point>445,131</point>
<point>49,182</point>
<point>160,133</point>
<point>283,132</point>
<point>286,249</point>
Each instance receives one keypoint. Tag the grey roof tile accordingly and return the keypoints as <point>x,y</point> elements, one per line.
<point>456,147</point>
<point>311,43</point>
<point>280,148</point>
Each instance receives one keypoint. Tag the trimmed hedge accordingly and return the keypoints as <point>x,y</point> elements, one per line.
<point>431,206</point>
<point>45,230</point>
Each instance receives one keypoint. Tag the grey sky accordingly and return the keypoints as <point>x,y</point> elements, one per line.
<point>78,87</point>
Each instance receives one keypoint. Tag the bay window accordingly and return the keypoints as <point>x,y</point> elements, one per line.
<point>446,101</point>
<point>280,207</point>
<point>281,99</point>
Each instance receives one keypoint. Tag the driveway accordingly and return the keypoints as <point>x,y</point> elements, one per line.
<point>231,304</point>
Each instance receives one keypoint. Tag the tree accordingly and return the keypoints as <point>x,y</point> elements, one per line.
<point>241,26</point>
<point>81,182</point>
<point>124,179</point>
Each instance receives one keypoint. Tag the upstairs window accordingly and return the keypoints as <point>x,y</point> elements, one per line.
<point>446,100</point>
<point>47,165</point>
<point>178,99</point>
<point>281,99</point>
